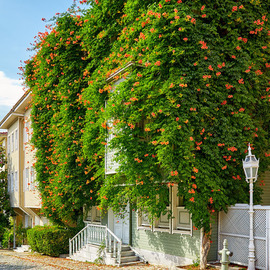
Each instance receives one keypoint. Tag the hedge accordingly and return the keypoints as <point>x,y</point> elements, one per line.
<point>49,240</point>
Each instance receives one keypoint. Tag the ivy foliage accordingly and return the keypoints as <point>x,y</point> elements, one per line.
<point>195,93</point>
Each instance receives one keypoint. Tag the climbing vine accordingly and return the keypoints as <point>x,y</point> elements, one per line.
<point>5,208</point>
<point>195,93</point>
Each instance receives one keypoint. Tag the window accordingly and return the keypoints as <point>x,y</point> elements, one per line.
<point>11,182</point>
<point>12,142</point>
<point>26,131</point>
<point>180,221</point>
<point>26,179</point>
<point>8,144</point>
<point>16,182</point>
<point>93,215</point>
<point>163,223</point>
<point>16,139</point>
<point>32,178</point>
<point>110,164</point>
<point>144,221</point>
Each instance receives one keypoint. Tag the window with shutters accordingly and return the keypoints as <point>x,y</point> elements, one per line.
<point>111,165</point>
<point>164,221</point>
<point>179,221</point>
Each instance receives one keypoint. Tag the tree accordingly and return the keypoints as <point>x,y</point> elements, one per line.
<point>5,208</point>
<point>195,96</point>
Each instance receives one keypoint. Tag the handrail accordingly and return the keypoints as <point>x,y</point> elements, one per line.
<point>98,235</point>
<point>92,225</point>
<point>118,239</point>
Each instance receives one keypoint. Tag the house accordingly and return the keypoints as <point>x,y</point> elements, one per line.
<point>3,143</point>
<point>170,241</point>
<point>24,197</point>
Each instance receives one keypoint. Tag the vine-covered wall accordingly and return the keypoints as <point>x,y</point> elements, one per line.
<point>196,94</point>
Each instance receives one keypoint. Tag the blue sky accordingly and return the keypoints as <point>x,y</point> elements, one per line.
<point>20,22</point>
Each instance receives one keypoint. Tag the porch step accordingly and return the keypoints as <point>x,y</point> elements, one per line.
<point>127,253</point>
<point>129,259</point>
<point>132,263</point>
<point>123,247</point>
<point>128,256</point>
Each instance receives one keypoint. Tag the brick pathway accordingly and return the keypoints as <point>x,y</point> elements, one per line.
<point>10,260</point>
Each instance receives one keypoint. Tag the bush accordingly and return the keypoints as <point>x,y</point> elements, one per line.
<point>21,235</point>
<point>7,238</point>
<point>49,240</point>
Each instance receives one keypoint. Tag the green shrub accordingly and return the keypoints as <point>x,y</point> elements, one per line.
<point>49,240</point>
<point>7,238</point>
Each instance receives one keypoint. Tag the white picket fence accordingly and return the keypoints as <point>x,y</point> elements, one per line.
<point>234,226</point>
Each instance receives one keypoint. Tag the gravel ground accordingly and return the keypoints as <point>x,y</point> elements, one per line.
<point>10,260</point>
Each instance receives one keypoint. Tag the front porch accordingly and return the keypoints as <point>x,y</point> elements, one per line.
<point>97,243</point>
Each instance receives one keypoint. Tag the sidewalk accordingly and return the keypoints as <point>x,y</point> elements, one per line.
<point>10,260</point>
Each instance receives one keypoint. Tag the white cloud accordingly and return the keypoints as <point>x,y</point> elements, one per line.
<point>10,90</point>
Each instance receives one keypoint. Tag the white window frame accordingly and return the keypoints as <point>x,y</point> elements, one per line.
<point>93,215</point>
<point>8,144</point>
<point>12,182</point>
<point>163,223</point>
<point>26,179</point>
<point>181,221</point>
<point>26,131</point>
<point>12,142</point>
<point>143,221</point>
<point>9,182</point>
<point>174,225</point>
<point>16,139</point>
<point>16,182</point>
<point>111,165</point>
<point>32,178</point>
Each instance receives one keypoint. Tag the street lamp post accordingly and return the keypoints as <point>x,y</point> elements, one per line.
<point>251,165</point>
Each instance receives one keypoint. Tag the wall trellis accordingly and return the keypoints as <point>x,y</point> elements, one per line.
<point>234,226</point>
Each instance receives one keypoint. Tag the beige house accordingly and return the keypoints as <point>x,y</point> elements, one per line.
<point>24,196</point>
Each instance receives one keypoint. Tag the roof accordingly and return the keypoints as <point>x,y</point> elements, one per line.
<point>17,110</point>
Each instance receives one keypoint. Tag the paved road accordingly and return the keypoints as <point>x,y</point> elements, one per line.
<point>10,260</point>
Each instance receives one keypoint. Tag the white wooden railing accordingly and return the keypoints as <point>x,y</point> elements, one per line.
<point>96,235</point>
